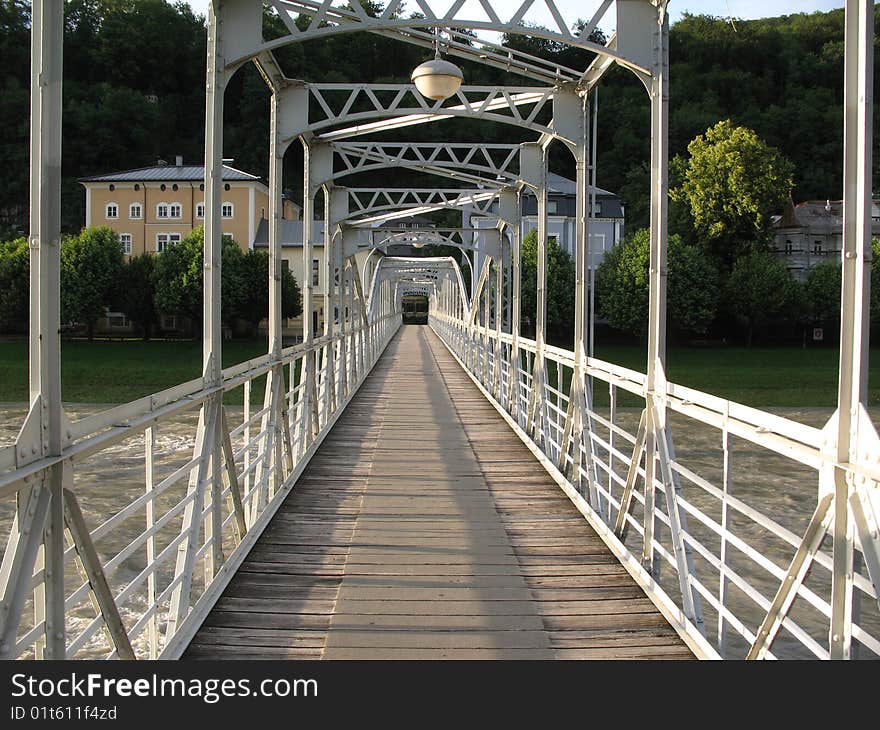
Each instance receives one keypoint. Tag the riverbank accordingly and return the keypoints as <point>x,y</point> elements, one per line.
<point>118,372</point>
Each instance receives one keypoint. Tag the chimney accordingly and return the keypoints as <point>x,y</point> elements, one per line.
<point>178,161</point>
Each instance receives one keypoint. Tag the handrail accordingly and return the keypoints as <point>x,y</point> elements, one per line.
<point>224,491</point>
<point>735,552</point>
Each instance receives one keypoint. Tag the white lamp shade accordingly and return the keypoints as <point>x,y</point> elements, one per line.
<point>437,79</point>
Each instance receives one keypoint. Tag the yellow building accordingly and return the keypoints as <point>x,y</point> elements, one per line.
<point>154,207</point>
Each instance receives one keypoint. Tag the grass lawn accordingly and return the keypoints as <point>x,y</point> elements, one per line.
<point>757,376</point>
<point>117,372</point>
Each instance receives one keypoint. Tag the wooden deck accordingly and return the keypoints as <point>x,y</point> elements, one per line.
<point>424,529</point>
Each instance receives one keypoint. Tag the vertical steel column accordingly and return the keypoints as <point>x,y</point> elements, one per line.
<point>591,340</point>
<point>570,116</point>
<point>852,393</point>
<point>533,169</point>
<point>46,416</point>
<point>216,85</point>
<point>270,469</point>
<point>499,281</point>
<point>276,208</point>
<point>655,380</point>
<point>509,211</point>
<point>207,443</point>
<point>308,394</point>
<point>330,311</point>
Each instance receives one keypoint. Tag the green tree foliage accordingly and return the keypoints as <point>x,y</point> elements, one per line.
<point>178,278</point>
<point>822,292</point>
<point>760,290</point>
<point>137,293</point>
<point>622,284</point>
<point>91,264</point>
<point>733,183</point>
<point>134,91</point>
<point>560,289</point>
<point>178,281</point>
<point>254,306</point>
<point>14,284</point>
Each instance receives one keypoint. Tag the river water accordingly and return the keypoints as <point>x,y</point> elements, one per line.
<point>777,487</point>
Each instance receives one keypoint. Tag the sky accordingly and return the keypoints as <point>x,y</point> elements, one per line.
<point>746,9</point>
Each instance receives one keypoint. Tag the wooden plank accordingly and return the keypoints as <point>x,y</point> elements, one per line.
<point>423,529</point>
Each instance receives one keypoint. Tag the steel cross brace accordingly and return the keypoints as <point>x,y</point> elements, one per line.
<point>488,162</point>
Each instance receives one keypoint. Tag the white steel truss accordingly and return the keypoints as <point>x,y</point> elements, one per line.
<point>332,17</point>
<point>491,165</point>
<point>395,106</point>
<point>368,206</point>
<point>628,483</point>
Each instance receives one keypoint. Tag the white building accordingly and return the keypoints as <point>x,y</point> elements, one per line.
<point>809,233</point>
<point>605,229</point>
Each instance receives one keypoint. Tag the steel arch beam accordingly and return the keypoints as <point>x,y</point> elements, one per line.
<point>326,20</point>
<point>385,107</point>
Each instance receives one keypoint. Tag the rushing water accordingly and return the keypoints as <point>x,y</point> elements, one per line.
<point>778,487</point>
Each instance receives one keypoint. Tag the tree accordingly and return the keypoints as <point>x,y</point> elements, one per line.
<point>137,292</point>
<point>733,183</point>
<point>179,279</point>
<point>622,286</point>
<point>822,292</point>
<point>560,288</point>
<point>255,305</point>
<point>91,264</point>
<point>759,290</point>
<point>14,283</point>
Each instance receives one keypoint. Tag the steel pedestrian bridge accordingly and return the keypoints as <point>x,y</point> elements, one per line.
<point>451,490</point>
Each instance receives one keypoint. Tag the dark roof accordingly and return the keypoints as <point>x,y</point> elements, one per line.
<point>789,218</point>
<point>185,173</point>
<point>291,233</point>
<point>559,184</point>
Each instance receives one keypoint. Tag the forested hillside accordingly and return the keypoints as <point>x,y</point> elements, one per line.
<point>134,92</point>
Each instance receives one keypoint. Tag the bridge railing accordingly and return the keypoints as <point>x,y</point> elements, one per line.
<point>155,521</point>
<point>737,505</point>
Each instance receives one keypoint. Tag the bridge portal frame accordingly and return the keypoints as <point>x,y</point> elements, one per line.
<point>42,454</point>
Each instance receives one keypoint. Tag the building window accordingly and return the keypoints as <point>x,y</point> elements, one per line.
<point>200,210</point>
<point>165,240</point>
<point>817,247</point>
<point>226,210</point>
<point>134,210</point>
<point>117,319</point>
<point>227,236</point>
<point>788,248</point>
<point>174,210</point>
<point>162,210</point>
<point>112,210</point>
<point>169,322</point>
<point>125,240</point>
<point>552,207</point>
<point>316,265</point>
